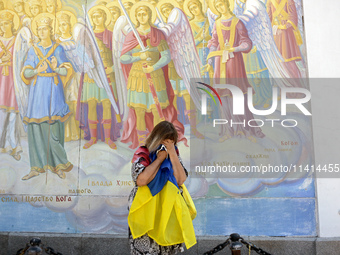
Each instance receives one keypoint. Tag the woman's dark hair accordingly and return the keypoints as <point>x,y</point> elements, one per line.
<point>163,130</point>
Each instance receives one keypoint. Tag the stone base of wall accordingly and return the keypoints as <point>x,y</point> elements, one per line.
<point>95,244</point>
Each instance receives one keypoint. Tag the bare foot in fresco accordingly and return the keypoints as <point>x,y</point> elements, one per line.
<point>68,169</point>
<point>32,174</point>
<point>60,173</point>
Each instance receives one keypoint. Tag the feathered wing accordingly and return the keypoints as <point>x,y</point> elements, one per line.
<point>121,29</point>
<point>299,10</point>
<point>22,44</point>
<point>211,18</point>
<point>87,59</point>
<point>183,52</point>
<point>259,28</point>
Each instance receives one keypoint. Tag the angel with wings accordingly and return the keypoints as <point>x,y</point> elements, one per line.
<point>66,21</point>
<point>286,23</point>
<point>149,94</point>
<point>41,72</point>
<point>178,85</point>
<point>96,108</point>
<point>10,122</point>
<point>229,41</point>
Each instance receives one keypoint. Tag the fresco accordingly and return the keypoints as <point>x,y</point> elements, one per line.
<point>79,92</point>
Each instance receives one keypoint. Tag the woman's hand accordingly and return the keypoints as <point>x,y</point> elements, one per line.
<point>42,67</point>
<point>148,69</point>
<point>54,63</point>
<point>170,146</point>
<point>162,155</point>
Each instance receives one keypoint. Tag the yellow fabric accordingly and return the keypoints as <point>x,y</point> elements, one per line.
<point>165,217</point>
<point>219,28</point>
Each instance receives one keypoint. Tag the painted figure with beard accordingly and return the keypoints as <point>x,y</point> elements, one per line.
<point>229,40</point>
<point>10,122</point>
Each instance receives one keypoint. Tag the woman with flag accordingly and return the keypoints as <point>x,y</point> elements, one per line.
<point>159,197</point>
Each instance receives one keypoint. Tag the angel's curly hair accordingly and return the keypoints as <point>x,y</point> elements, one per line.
<point>148,10</point>
<point>14,31</point>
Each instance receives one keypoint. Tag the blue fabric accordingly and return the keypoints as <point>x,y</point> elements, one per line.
<point>45,98</point>
<point>164,174</point>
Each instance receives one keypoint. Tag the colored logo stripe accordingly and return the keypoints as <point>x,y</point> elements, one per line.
<point>208,92</point>
<point>212,90</point>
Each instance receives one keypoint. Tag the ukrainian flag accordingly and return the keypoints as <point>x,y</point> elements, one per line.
<point>161,211</point>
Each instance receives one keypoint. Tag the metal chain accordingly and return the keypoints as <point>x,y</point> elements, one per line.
<point>217,248</point>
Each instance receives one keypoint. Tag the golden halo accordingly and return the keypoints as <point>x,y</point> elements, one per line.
<point>58,2</point>
<point>160,4</point>
<point>186,7</point>
<point>39,16</point>
<point>102,2</point>
<point>5,2</point>
<point>73,19</point>
<point>11,3</point>
<point>16,19</point>
<point>114,4</point>
<point>103,8</point>
<point>139,4</point>
<point>213,9</point>
<point>29,3</point>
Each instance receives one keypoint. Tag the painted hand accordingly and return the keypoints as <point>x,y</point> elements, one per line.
<point>149,69</point>
<point>54,63</point>
<point>207,68</point>
<point>42,67</point>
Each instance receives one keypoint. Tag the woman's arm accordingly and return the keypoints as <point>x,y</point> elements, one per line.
<point>151,170</point>
<point>179,171</point>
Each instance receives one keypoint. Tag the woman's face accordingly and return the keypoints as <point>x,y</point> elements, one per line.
<point>221,7</point>
<point>18,7</point>
<point>194,9</point>
<point>44,32</point>
<point>64,27</point>
<point>143,17</point>
<point>5,26</point>
<point>35,10</point>
<point>98,19</point>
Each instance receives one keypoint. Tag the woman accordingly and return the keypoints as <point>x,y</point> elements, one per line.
<point>145,109</point>
<point>229,40</point>
<point>148,171</point>
<point>9,116</point>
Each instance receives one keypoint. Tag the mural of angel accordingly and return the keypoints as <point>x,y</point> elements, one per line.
<point>96,113</point>
<point>284,18</point>
<point>53,6</point>
<point>177,83</point>
<point>115,14</point>
<point>10,122</point>
<point>19,7</point>
<point>65,23</point>
<point>229,40</point>
<point>45,69</point>
<point>35,7</point>
<point>149,92</point>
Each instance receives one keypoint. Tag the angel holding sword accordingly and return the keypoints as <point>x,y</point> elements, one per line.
<point>94,107</point>
<point>149,94</point>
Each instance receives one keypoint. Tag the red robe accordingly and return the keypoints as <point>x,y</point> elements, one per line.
<point>170,113</point>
